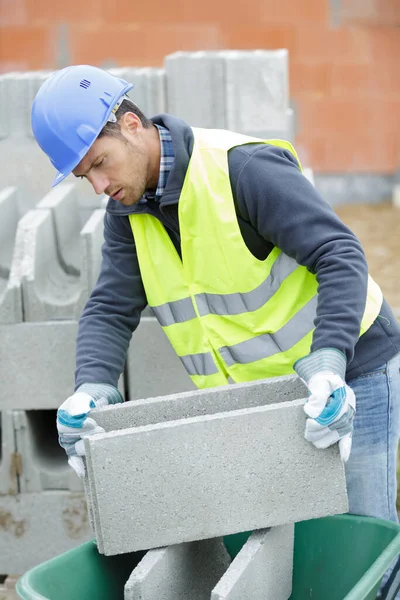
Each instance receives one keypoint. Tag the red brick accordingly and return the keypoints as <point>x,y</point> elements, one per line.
<point>350,117</point>
<point>311,151</point>
<point>34,46</point>
<point>6,66</point>
<point>60,11</point>
<point>132,45</point>
<point>251,12</point>
<point>370,12</point>
<point>309,79</point>
<point>248,38</point>
<point>13,13</point>
<point>373,152</point>
<point>371,80</point>
<point>322,45</point>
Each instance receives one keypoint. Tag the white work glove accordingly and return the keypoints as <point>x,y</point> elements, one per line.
<point>331,407</point>
<point>74,424</point>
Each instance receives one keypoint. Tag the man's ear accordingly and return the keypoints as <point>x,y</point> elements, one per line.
<point>130,123</point>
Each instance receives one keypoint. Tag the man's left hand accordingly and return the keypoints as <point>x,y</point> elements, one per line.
<point>331,407</point>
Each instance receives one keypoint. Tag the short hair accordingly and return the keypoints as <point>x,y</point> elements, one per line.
<point>114,129</point>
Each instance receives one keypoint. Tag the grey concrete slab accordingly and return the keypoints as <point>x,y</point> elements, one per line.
<point>196,403</point>
<point>37,527</point>
<point>149,91</point>
<point>9,460</point>
<point>17,92</point>
<point>153,367</point>
<point>91,240</point>
<point>196,88</point>
<point>55,261</point>
<point>263,568</point>
<point>49,292</point>
<point>62,202</point>
<point>257,90</point>
<point>10,287</point>
<point>43,462</point>
<point>47,351</point>
<point>209,476</point>
<point>179,572</point>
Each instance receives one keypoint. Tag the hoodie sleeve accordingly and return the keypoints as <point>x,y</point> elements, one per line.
<point>285,209</point>
<point>113,310</point>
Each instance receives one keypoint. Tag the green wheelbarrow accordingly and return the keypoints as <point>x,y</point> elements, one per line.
<point>335,558</point>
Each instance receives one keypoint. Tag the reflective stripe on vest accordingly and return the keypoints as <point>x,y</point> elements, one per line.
<point>226,313</point>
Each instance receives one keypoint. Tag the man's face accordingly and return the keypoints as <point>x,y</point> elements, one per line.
<point>117,167</point>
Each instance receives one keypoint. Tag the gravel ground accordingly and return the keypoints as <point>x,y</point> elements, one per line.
<point>378,228</point>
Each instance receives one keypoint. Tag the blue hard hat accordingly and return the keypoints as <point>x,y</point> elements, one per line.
<point>70,110</point>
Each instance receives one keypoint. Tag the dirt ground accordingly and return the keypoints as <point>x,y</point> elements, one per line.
<point>378,228</point>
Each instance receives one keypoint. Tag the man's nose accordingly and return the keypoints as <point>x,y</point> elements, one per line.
<point>99,182</point>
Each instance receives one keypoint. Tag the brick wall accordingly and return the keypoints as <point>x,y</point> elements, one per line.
<point>344,74</point>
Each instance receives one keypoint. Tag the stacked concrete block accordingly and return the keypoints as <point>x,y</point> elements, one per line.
<point>245,91</point>
<point>37,362</point>
<point>37,527</point>
<point>9,459</point>
<point>10,286</point>
<point>263,568</point>
<point>153,368</point>
<point>195,88</point>
<point>149,91</point>
<point>257,91</point>
<point>43,462</point>
<point>186,405</point>
<point>179,572</point>
<point>201,477</point>
<point>17,92</point>
<point>52,262</point>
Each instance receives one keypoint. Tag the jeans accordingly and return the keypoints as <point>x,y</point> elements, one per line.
<point>371,468</point>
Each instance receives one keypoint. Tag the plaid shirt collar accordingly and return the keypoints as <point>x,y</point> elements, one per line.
<point>166,160</point>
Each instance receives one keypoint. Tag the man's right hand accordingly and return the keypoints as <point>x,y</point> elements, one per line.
<point>74,422</point>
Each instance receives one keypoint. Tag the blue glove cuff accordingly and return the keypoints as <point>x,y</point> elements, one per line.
<point>326,359</point>
<point>102,390</point>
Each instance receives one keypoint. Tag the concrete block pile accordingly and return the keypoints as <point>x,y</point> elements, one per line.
<point>174,473</point>
<point>50,257</point>
<point>244,91</point>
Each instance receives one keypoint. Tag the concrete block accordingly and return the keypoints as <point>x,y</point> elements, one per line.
<point>149,91</point>
<point>196,88</point>
<point>55,262</point>
<point>263,568</point>
<point>153,367</point>
<point>49,292</point>
<point>91,240</point>
<point>18,90</point>
<point>37,527</point>
<point>10,287</point>
<point>47,353</point>
<point>4,124</point>
<point>208,476</point>
<point>396,195</point>
<point>179,572</point>
<point>62,202</point>
<point>257,90</point>
<point>9,459</point>
<point>185,405</point>
<point>43,462</point>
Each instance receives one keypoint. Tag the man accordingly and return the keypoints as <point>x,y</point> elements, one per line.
<point>250,273</point>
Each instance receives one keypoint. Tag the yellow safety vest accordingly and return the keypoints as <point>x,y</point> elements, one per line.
<point>226,313</point>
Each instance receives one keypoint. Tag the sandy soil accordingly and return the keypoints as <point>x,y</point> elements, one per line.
<point>378,228</point>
